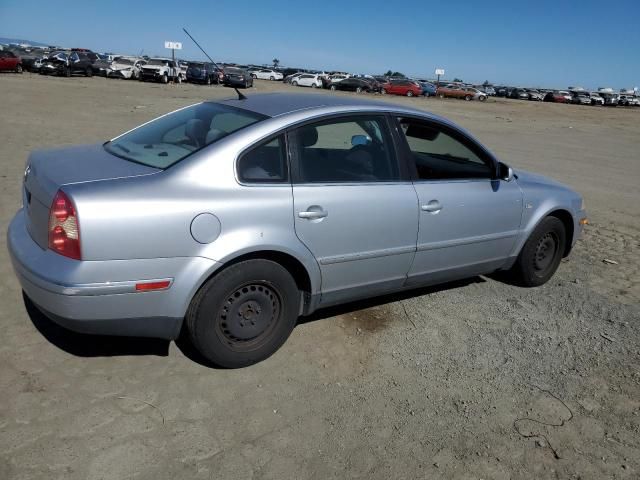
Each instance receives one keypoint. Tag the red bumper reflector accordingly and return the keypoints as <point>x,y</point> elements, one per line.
<point>146,286</point>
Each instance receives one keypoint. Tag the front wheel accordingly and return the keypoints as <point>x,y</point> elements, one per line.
<point>541,254</point>
<point>409,93</point>
<point>383,92</point>
<point>295,84</point>
<point>88,72</point>
<point>359,90</point>
<point>244,314</point>
<point>468,98</point>
<point>332,88</point>
<point>165,78</point>
<point>19,68</point>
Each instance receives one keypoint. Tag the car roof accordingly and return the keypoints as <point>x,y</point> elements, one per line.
<point>277,104</point>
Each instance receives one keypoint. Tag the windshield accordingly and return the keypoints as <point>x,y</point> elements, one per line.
<point>155,61</point>
<point>169,139</point>
<point>124,61</point>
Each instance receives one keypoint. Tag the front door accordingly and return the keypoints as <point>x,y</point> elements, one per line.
<point>468,219</point>
<point>353,209</point>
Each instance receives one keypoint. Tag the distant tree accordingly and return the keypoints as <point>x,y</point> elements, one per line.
<point>486,83</point>
<point>459,80</point>
<point>389,73</point>
<point>276,62</point>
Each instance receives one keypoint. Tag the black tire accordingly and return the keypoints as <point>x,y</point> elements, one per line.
<point>358,89</point>
<point>294,83</point>
<point>482,98</point>
<point>208,80</point>
<point>383,91</point>
<point>272,78</point>
<point>88,72</point>
<point>409,93</point>
<point>253,75</point>
<point>441,95</point>
<point>19,68</point>
<point>333,88</point>
<point>67,72</point>
<point>165,78</point>
<point>468,98</point>
<point>541,254</point>
<point>244,314</point>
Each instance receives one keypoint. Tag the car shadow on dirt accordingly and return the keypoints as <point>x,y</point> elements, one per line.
<point>84,345</point>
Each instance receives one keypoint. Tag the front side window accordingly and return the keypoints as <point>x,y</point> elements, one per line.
<point>440,155</point>
<point>265,163</point>
<point>348,150</point>
<point>173,137</point>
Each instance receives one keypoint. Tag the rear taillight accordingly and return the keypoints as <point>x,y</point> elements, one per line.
<point>64,229</point>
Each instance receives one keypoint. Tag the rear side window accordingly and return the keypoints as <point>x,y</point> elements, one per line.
<point>347,149</point>
<point>264,163</point>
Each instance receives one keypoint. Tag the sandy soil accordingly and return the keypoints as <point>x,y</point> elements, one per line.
<point>473,380</point>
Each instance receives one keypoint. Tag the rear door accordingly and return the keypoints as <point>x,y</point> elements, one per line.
<point>469,220</point>
<point>354,209</point>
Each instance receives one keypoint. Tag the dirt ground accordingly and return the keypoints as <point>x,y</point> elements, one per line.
<point>475,380</point>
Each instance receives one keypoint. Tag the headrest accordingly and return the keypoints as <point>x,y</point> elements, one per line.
<point>308,136</point>
<point>195,130</point>
<point>213,135</point>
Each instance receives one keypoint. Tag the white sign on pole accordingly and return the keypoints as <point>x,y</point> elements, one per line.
<point>173,45</point>
<point>439,71</point>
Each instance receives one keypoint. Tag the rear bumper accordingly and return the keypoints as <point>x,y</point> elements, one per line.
<point>99,296</point>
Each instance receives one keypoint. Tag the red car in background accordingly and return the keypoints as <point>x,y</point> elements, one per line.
<point>402,87</point>
<point>9,61</point>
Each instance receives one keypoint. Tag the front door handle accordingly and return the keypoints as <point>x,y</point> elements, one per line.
<point>313,213</point>
<point>434,206</point>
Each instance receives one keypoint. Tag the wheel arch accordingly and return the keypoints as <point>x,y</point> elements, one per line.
<point>308,282</point>
<point>567,220</point>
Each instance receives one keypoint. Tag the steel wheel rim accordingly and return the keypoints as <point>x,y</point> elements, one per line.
<point>545,253</point>
<point>249,315</point>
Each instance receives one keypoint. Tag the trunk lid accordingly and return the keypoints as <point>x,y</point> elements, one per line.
<point>48,170</point>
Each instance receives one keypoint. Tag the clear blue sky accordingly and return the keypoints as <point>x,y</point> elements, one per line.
<point>544,43</point>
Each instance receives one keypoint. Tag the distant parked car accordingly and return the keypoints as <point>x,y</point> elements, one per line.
<point>580,97</point>
<point>10,62</point>
<point>266,74</point>
<point>204,72</point>
<point>237,77</point>
<point>67,64</point>
<point>404,87</point>
<point>163,70</point>
<point>354,84</point>
<point>610,99</point>
<point>596,99</point>
<point>627,100</point>
<point>557,96</point>
<point>126,68</point>
<point>101,65</point>
<point>459,91</point>
<point>428,89</point>
<point>307,80</point>
<point>519,94</point>
<point>535,95</point>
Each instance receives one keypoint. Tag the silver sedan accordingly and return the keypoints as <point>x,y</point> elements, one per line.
<point>237,217</point>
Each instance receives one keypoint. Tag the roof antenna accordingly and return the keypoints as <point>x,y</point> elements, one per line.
<point>240,95</point>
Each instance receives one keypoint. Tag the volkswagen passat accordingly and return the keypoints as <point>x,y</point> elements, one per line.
<point>236,217</point>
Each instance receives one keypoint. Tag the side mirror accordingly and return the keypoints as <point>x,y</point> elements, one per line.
<point>360,140</point>
<point>505,172</point>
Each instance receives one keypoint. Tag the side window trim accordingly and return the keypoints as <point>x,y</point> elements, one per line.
<point>476,148</point>
<point>385,123</point>
<point>264,141</point>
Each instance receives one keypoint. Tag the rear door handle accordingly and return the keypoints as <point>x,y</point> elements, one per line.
<point>434,206</point>
<point>313,213</point>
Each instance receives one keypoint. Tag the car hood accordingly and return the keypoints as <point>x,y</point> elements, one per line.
<point>120,66</point>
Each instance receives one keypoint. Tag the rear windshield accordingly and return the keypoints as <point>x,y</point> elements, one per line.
<point>169,139</point>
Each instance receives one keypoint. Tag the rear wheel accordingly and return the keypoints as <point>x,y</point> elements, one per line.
<point>358,89</point>
<point>272,78</point>
<point>332,88</point>
<point>409,93</point>
<point>441,95</point>
<point>19,68</point>
<point>164,78</point>
<point>67,71</point>
<point>208,80</point>
<point>383,91</point>
<point>294,83</point>
<point>541,254</point>
<point>468,98</point>
<point>244,314</point>
<point>88,72</point>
